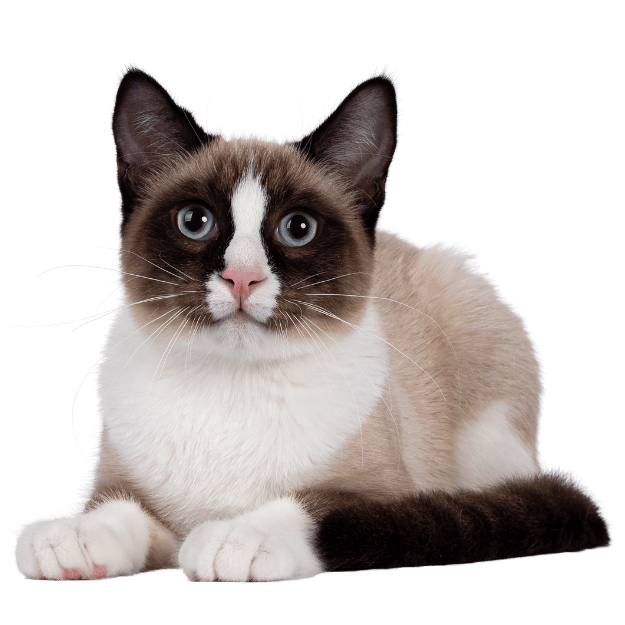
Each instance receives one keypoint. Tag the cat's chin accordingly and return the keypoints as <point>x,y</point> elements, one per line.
<point>240,326</point>
<point>242,336</point>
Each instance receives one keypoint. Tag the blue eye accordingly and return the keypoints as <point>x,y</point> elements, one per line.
<point>196,222</point>
<point>297,229</point>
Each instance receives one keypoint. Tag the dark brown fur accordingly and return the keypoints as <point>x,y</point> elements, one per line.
<point>524,517</point>
<point>208,177</point>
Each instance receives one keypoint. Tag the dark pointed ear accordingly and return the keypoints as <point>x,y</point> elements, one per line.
<point>358,140</point>
<point>150,129</point>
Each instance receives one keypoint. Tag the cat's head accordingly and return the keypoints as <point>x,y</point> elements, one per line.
<point>245,242</point>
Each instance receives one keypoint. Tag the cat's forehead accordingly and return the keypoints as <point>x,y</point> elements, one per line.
<point>223,168</point>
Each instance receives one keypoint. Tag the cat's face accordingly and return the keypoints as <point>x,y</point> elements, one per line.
<point>245,244</point>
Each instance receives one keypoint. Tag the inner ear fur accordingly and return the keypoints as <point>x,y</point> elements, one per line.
<point>150,129</point>
<point>358,141</point>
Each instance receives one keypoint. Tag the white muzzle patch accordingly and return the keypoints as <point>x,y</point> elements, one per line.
<point>246,253</point>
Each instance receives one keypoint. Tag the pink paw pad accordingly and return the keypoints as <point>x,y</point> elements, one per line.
<point>194,577</point>
<point>99,571</point>
<point>71,574</point>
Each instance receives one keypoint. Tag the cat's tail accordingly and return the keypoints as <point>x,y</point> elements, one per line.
<point>519,517</point>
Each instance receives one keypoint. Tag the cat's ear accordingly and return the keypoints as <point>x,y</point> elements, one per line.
<point>150,129</point>
<point>358,140</point>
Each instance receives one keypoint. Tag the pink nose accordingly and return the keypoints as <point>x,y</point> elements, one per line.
<point>242,283</point>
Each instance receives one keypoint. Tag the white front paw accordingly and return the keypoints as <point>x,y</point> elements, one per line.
<point>89,546</point>
<point>236,552</point>
<point>271,543</point>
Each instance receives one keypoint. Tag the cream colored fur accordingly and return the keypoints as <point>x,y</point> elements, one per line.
<point>476,383</point>
<point>218,410</point>
<point>207,439</point>
<point>213,444</point>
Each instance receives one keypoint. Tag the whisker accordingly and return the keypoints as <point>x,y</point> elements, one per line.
<point>357,327</point>
<point>161,327</point>
<point>151,263</point>
<point>178,270</point>
<point>362,448</point>
<point>390,409</point>
<point>309,277</point>
<point>285,340</point>
<point>322,354</point>
<point>202,319</point>
<point>295,326</point>
<point>119,286</point>
<point>170,344</point>
<point>306,286</point>
<point>281,333</point>
<point>142,258</point>
<point>396,302</point>
<point>126,273</point>
<point>173,340</point>
<point>194,328</point>
<point>107,312</point>
<point>97,363</point>
<point>320,367</point>
<point>94,318</point>
<point>159,362</point>
<point>284,336</point>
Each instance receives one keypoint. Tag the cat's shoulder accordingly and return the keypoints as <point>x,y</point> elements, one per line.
<point>442,282</point>
<point>398,259</point>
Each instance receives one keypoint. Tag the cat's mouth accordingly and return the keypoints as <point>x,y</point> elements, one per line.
<point>239,333</point>
<point>240,317</point>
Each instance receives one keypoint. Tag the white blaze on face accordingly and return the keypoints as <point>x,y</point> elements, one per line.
<point>248,204</point>
<point>246,253</point>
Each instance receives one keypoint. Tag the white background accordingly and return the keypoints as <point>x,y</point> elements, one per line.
<point>511,146</point>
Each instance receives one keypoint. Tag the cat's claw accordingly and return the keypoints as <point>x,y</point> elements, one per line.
<point>251,547</point>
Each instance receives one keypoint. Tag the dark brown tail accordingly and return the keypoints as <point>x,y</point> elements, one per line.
<point>520,517</point>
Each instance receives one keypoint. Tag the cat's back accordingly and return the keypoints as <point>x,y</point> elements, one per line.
<point>464,353</point>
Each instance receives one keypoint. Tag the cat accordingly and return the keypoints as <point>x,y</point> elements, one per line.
<point>288,390</point>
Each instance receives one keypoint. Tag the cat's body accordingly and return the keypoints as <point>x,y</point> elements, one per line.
<point>300,360</point>
<point>369,419</point>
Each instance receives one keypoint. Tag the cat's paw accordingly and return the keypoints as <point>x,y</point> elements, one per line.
<point>270,543</point>
<point>103,543</point>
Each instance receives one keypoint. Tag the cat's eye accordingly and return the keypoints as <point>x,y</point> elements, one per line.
<point>196,222</point>
<point>297,229</point>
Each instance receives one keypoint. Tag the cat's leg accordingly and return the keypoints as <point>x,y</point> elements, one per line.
<point>273,542</point>
<point>489,448</point>
<point>116,536</point>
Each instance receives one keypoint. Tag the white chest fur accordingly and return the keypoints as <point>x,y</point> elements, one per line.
<point>210,437</point>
